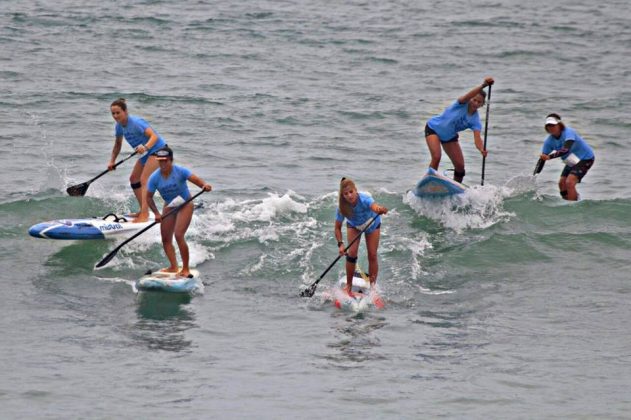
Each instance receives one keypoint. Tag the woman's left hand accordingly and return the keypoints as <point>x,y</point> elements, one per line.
<point>207,187</point>
<point>382,210</point>
<point>141,149</point>
<point>484,152</point>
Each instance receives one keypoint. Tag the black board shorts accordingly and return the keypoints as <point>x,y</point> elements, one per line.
<point>579,170</point>
<point>429,132</point>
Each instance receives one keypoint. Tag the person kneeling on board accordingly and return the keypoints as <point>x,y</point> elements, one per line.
<point>170,181</point>
<point>578,157</point>
<point>358,208</point>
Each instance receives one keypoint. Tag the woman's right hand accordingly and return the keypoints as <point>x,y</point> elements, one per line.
<point>341,249</point>
<point>111,165</point>
<point>488,81</point>
<point>543,156</point>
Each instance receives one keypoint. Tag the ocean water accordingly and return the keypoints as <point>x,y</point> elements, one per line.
<point>504,303</point>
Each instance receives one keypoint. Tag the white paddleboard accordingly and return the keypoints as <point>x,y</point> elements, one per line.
<point>160,281</point>
<point>363,297</point>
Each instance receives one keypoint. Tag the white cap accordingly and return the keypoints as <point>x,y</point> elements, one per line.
<point>552,121</point>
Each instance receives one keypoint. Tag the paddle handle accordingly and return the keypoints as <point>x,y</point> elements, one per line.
<point>311,289</point>
<point>486,130</point>
<point>111,255</point>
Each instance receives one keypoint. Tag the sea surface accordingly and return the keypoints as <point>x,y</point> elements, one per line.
<point>506,302</point>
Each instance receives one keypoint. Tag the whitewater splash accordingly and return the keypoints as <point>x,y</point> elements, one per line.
<point>479,207</point>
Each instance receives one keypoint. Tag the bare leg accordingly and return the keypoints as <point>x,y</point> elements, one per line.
<point>433,144</point>
<point>167,227</point>
<point>351,234</point>
<point>372,244</point>
<point>148,169</point>
<point>134,178</point>
<point>454,152</point>
<point>184,217</point>
<point>570,184</point>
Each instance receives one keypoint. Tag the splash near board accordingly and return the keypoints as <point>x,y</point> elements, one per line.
<point>435,185</point>
<point>160,281</point>
<point>363,297</point>
<point>104,227</point>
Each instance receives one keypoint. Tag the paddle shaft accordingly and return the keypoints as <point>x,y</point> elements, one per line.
<point>311,289</point>
<point>486,130</point>
<point>111,255</point>
<point>81,189</point>
<point>108,170</point>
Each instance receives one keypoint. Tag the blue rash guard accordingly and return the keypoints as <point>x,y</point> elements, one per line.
<point>362,213</point>
<point>134,133</point>
<point>579,148</point>
<point>455,118</point>
<point>172,186</point>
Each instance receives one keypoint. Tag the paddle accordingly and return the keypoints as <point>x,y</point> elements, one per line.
<point>81,189</point>
<point>486,130</point>
<point>309,291</point>
<point>111,255</point>
<point>539,166</point>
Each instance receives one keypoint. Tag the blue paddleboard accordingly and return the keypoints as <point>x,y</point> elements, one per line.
<point>169,282</point>
<point>435,185</point>
<point>89,228</point>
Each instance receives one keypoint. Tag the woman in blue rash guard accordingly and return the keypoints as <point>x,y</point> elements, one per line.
<point>442,130</point>
<point>170,181</point>
<point>358,208</point>
<point>145,141</point>
<point>578,157</point>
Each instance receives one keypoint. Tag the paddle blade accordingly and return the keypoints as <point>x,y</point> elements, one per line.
<point>309,291</point>
<point>107,259</point>
<point>539,166</point>
<point>78,190</point>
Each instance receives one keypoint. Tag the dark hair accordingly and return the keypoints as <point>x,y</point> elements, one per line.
<point>121,103</point>
<point>558,118</point>
<point>554,115</point>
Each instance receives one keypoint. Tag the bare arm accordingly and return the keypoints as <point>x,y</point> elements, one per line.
<point>338,236</point>
<point>118,143</point>
<point>467,96</point>
<point>479,144</point>
<point>379,209</point>
<point>153,138</point>
<point>152,205</point>
<point>200,182</point>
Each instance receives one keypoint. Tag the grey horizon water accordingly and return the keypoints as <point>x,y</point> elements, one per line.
<point>507,303</point>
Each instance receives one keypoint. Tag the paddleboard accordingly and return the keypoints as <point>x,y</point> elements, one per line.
<point>435,185</point>
<point>169,282</point>
<point>91,228</point>
<point>363,297</point>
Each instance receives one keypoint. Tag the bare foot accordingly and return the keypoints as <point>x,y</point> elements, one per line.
<point>141,218</point>
<point>184,273</point>
<point>169,270</point>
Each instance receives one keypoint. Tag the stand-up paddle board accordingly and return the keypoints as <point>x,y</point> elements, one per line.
<point>363,297</point>
<point>160,281</point>
<point>92,228</point>
<point>435,185</point>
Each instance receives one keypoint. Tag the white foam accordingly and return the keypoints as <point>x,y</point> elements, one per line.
<point>479,207</point>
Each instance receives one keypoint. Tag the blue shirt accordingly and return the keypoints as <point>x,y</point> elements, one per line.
<point>134,133</point>
<point>172,186</point>
<point>580,147</point>
<point>361,211</point>
<point>455,118</point>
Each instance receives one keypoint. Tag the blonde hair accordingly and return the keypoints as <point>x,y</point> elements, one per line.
<point>345,207</point>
